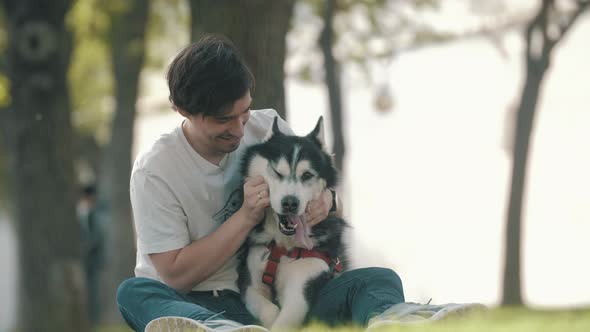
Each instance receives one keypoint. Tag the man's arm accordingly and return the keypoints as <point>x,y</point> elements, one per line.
<point>184,268</point>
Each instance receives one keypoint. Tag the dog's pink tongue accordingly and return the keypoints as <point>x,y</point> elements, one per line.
<point>302,233</point>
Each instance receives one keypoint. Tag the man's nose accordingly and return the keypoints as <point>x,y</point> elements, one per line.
<point>237,129</point>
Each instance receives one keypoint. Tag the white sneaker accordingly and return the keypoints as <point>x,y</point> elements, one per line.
<point>412,313</point>
<point>182,324</point>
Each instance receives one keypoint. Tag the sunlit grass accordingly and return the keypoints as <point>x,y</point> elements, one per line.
<point>496,320</point>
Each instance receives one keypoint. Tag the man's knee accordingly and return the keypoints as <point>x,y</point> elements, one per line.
<point>387,275</point>
<point>380,277</point>
<point>377,273</point>
<point>125,290</point>
<point>132,288</point>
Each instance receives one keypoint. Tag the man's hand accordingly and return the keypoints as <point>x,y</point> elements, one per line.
<point>256,199</point>
<point>318,209</point>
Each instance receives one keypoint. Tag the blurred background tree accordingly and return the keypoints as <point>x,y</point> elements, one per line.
<point>258,28</point>
<point>546,29</point>
<point>367,33</point>
<point>5,101</point>
<point>127,31</point>
<point>37,130</point>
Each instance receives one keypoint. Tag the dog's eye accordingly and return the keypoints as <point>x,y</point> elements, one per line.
<point>278,174</point>
<point>306,176</point>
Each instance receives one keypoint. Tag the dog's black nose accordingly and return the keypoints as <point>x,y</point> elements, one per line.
<point>290,204</point>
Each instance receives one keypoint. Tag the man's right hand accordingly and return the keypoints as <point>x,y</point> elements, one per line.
<point>256,199</point>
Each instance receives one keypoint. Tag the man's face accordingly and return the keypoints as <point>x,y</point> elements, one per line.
<point>217,135</point>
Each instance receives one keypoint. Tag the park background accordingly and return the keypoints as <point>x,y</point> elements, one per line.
<point>424,96</point>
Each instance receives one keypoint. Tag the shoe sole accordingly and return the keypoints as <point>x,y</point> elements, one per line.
<point>411,317</point>
<point>458,310</point>
<point>182,324</point>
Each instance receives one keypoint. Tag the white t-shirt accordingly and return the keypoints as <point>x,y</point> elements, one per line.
<point>178,197</point>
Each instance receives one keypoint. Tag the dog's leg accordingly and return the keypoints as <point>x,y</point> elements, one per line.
<point>293,310</point>
<point>258,296</point>
<point>259,304</point>
<point>291,283</point>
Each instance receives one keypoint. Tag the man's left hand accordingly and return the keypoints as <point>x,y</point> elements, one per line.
<point>318,209</point>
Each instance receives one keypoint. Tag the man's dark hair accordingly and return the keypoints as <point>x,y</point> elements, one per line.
<point>207,76</point>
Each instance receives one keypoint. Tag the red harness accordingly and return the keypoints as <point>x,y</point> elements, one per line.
<point>276,253</point>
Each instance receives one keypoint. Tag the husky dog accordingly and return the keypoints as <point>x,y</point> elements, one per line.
<point>285,262</point>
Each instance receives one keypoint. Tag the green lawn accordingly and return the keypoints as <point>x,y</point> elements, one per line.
<point>496,320</point>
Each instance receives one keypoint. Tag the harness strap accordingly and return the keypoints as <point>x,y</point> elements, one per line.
<point>272,264</point>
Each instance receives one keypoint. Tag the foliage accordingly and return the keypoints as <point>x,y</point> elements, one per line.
<point>90,74</point>
<point>90,77</point>
<point>377,30</point>
<point>167,31</point>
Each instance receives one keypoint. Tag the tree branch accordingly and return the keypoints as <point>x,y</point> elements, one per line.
<point>537,23</point>
<point>565,27</point>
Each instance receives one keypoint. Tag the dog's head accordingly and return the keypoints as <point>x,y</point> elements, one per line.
<point>297,169</point>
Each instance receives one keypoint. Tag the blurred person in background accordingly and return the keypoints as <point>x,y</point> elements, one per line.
<point>92,235</point>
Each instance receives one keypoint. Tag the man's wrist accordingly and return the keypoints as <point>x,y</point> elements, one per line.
<point>246,219</point>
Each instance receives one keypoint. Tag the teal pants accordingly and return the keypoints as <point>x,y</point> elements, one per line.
<point>353,297</point>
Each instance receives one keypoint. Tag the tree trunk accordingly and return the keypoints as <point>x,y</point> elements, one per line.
<point>128,40</point>
<point>512,292</point>
<point>258,28</point>
<point>332,80</point>
<point>38,133</point>
<point>539,46</point>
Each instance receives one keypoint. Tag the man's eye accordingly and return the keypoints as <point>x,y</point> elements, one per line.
<point>306,176</point>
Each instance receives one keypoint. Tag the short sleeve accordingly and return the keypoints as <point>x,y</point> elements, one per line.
<point>160,221</point>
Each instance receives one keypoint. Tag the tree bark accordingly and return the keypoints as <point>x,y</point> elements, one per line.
<point>258,28</point>
<point>128,39</point>
<point>38,134</point>
<point>332,79</point>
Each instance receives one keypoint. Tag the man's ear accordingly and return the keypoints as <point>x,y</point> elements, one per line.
<point>182,112</point>
<point>273,130</point>
<point>318,133</point>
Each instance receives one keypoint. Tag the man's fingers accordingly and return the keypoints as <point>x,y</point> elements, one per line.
<point>254,181</point>
<point>310,218</point>
<point>314,221</point>
<point>260,188</point>
<point>263,202</point>
<point>309,207</point>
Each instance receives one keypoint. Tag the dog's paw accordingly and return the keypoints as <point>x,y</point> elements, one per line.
<point>282,326</point>
<point>290,317</point>
<point>269,314</point>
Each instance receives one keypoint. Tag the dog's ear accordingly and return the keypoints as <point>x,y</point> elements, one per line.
<point>318,133</point>
<point>273,130</point>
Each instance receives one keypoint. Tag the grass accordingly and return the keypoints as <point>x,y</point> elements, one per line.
<point>496,320</point>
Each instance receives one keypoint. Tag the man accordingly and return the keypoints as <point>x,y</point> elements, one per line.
<point>190,218</point>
